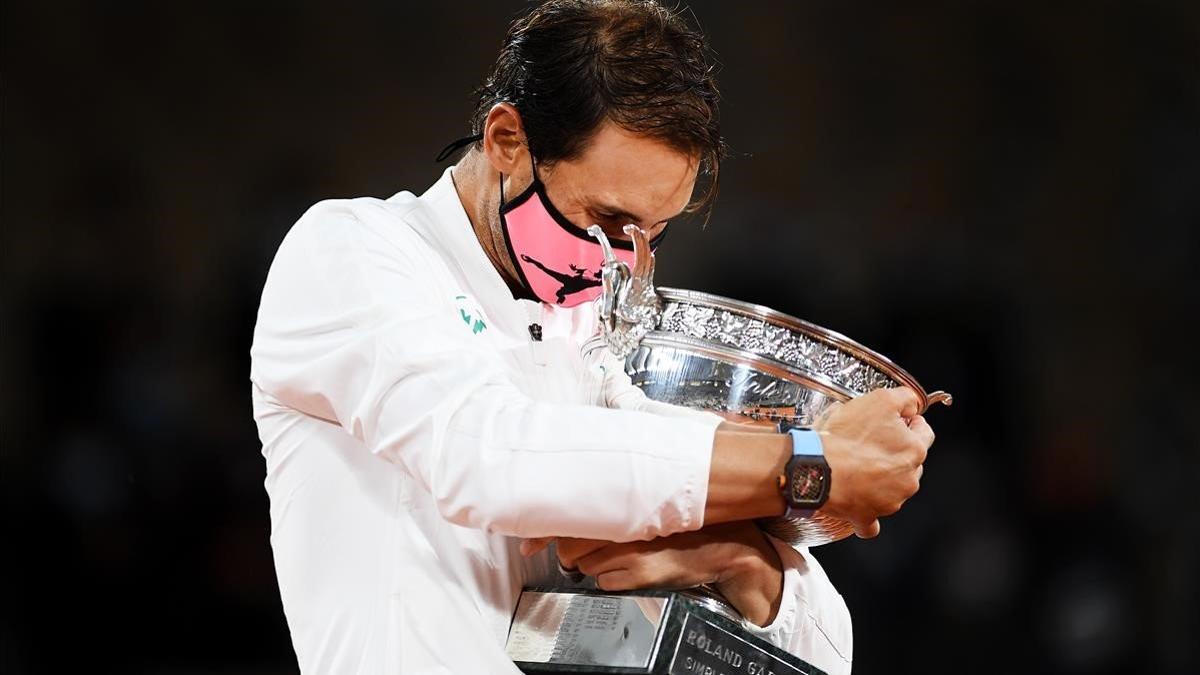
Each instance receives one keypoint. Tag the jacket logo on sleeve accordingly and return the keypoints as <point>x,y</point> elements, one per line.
<point>470,313</point>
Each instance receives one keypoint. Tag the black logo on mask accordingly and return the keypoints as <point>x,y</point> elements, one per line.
<point>571,283</point>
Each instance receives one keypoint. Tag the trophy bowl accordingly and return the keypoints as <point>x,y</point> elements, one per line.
<point>755,365</point>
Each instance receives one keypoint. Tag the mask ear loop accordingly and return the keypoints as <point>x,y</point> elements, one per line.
<point>455,146</point>
<point>533,165</point>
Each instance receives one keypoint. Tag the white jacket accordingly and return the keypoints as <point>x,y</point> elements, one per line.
<point>414,433</point>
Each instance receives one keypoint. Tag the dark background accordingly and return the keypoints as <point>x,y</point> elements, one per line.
<point>1004,197</point>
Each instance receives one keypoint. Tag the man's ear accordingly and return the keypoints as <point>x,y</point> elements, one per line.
<point>504,140</point>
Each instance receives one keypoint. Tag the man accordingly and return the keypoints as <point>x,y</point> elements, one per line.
<point>429,424</point>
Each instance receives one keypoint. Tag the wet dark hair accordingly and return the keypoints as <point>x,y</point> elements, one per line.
<point>569,65</point>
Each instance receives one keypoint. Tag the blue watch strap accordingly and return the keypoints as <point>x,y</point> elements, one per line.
<point>806,442</point>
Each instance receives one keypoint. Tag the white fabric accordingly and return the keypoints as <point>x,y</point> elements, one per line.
<point>413,433</point>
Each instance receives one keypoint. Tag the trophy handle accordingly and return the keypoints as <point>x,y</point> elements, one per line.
<point>939,397</point>
<point>628,306</point>
<point>643,257</point>
<point>614,277</point>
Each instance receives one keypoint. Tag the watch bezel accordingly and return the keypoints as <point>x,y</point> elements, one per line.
<point>810,465</point>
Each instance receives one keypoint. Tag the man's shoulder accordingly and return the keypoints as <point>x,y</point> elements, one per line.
<point>359,231</point>
<point>331,220</point>
<point>345,247</point>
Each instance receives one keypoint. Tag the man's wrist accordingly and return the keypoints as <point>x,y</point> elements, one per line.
<point>753,580</point>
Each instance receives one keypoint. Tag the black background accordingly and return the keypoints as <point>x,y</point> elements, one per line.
<point>1004,197</point>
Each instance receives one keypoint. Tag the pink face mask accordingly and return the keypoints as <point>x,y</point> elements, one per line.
<point>558,262</point>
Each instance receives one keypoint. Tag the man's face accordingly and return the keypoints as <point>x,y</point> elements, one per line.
<point>622,178</point>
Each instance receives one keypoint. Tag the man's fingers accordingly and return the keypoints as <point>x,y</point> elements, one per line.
<point>921,429</point>
<point>867,531</point>
<point>616,580</point>
<point>907,403</point>
<point>570,551</point>
<point>531,546</point>
<point>612,557</point>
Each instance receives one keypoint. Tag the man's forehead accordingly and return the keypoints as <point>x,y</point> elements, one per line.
<point>641,203</point>
<point>631,174</point>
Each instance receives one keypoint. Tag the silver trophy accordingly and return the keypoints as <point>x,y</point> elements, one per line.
<point>748,363</point>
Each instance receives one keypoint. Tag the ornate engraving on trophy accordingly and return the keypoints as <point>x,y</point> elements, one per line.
<point>751,383</point>
<point>766,339</point>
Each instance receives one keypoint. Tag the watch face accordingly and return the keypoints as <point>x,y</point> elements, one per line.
<point>807,484</point>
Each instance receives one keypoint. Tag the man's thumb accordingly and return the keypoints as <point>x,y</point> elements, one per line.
<point>867,531</point>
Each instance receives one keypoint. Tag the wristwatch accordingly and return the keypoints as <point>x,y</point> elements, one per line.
<point>805,480</point>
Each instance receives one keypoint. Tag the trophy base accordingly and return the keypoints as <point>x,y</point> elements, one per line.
<point>637,632</point>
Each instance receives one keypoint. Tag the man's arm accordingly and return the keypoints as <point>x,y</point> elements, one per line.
<point>736,558</point>
<point>782,591</point>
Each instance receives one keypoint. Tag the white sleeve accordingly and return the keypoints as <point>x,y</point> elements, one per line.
<point>813,622</point>
<point>347,332</point>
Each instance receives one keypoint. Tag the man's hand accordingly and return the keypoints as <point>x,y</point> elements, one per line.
<point>735,557</point>
<point>875,446</point>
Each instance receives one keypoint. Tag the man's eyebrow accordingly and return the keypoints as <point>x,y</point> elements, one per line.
<point>621,214</point>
